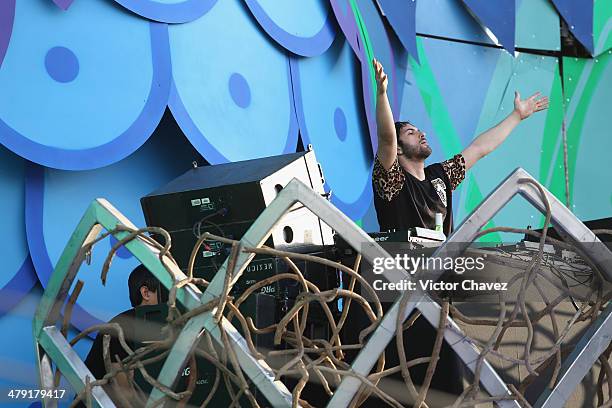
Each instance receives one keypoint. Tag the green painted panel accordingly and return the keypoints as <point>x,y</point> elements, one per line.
<point>572,72</point>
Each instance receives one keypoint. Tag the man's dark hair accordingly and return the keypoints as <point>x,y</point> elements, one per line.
<point>399,126</point>
<point>140,277</point>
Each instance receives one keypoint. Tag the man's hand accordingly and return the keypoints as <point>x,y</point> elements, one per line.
<point>488,141</point>
<point>530,105</point>
<point>381,77</point>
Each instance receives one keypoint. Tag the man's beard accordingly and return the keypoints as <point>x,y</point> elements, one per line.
<point>416,152</point>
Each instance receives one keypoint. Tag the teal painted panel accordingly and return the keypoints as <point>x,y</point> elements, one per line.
<point>592,188</point>
<point>537,25</point>
<point>523,148</point>
<point>602,26</point>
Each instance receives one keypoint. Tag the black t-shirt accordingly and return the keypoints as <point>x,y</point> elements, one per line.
<point>141,325</point>
<point>402,201</point>
<point>94,360</point>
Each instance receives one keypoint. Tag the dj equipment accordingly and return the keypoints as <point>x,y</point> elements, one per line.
<point>261,267</point>
<point>593,225</point>
<point>415,235</point>
<point>226,199</point>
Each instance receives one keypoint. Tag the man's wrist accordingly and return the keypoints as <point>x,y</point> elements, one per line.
<point>517,115</point>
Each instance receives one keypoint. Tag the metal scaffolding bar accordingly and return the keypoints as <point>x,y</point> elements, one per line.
<point>580,361</point>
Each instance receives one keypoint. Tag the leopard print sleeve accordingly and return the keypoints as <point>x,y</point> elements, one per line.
<point>455,169</point>
<point>387,183</point>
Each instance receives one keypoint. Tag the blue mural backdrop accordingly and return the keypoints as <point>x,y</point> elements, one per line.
<point>84,85</point>
<point>499,17</point>
<point>230,93</point>
<point>96,81</point>
<point>17,277</point>
<point>56,200</point>
<point>389,51</point>
<point>579,18</point>
<point>331,119</point>
<point>379,41</point>
<point>345,18</point>
<point>306,28</point>
<point>462,89</point>
<point>7,15</point>
<point>17,362</point>
<point>588,111</point>
<point>169,11</point>
<point>537,23</point>
<point>402,16</point>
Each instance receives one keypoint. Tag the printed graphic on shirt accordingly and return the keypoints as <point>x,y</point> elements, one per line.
<point>440,189</point>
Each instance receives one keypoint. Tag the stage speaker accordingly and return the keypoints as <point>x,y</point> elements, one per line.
<point>226,199</point>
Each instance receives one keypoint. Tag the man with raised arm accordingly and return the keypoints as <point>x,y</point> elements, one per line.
<point>408,193</point>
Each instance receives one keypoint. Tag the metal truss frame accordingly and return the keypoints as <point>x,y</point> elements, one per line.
<point>52,346</point>
<point>591,345</point>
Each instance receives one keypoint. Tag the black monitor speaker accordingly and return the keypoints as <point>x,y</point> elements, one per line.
<point>226,199</point>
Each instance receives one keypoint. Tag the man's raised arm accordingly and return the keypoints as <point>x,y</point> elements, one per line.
<point>387,142</point>
<point>488,141</point>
